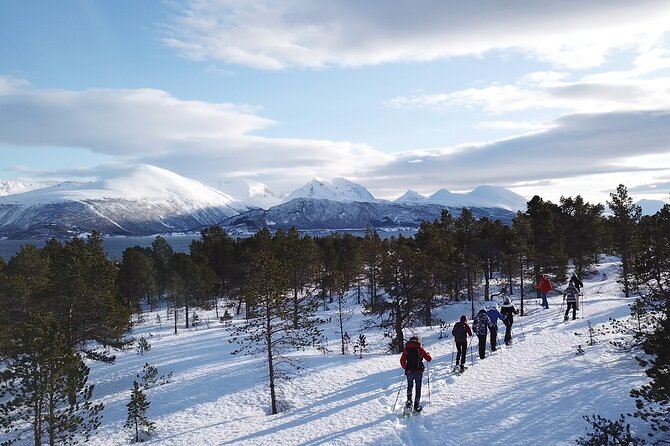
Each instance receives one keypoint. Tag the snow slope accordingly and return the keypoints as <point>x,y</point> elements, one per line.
<point>531,393</point>
<point>339,189</point>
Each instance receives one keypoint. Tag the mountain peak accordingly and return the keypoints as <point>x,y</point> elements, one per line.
<point>339,189</point>
<point>410,197</point>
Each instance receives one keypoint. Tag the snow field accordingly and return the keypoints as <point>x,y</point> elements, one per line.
<point>534,392</point>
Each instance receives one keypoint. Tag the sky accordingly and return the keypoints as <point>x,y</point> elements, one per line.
<point>549,98</point>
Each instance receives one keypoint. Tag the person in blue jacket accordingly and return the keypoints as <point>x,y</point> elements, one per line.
<point>494,315</point>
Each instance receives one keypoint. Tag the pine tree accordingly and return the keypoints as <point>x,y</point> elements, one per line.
<point>44,390</point>
<point>372,253</point>
<point>650,279</point>
<point>622,229</point>
<point>269,329</point>
<point>401,281</point>
<point>221,252</point>
<point>136,278</point>
<point>137,413</point>
<point>582,225</point>
<point>547,245</point>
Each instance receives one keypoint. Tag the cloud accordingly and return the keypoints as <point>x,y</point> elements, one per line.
<point>120,122</point>
<point>198,139</point>
<point>538,91</point>
<point>575,145</point>
<point>274,35</point>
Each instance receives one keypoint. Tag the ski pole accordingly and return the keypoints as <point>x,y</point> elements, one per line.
<point>396,397</point>
<point>452,355</point>
<point>472,358</point>
<point>523,335</point>
<point>428,370</point>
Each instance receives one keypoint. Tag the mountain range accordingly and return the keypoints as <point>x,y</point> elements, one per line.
<point>147,200</point>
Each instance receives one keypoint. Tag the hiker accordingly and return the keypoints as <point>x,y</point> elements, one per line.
<point>461,331</point>
<point>509,311</point>
<point>544,286</point>
<point>574,280</point>
<point>494,315</point>
<point>480,326</point>
<point>411,361</point>
<point>570,296</point>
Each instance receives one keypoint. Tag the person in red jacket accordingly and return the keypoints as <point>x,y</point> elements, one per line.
<point>411,361</point>
<point>544,286</point>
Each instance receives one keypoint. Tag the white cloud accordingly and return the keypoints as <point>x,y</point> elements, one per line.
<point>122,122</point>
<point>606,145</point>
<point>321,33</point>
<point>538,92</point>
<point>203,140</point>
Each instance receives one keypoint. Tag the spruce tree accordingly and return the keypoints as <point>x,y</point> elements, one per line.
<point>137,413</point>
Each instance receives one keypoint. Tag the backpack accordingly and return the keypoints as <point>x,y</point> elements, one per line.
<point>458,331</point>
<point>414,359</point>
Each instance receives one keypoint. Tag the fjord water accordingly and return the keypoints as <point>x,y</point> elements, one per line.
<point>114,246</point>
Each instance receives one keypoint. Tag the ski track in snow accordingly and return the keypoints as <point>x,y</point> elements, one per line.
<point>534,392</point>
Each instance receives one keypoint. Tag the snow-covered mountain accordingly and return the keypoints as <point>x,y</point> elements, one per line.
<point>650,207</point>
<point>482,196</point>
<point>9,187</point>
<point>139,201</point>
<point>145,200</point>
<point>410,197</point>
<point>339,189</point>
<point>312,213</point>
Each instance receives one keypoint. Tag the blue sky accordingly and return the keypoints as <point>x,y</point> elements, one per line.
<point>550,99</point>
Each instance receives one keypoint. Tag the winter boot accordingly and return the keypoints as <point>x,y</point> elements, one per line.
<point>417,407</point>
<point>462,368</point>
<point>408,404</point>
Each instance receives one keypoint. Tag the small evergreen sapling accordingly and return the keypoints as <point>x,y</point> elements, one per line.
<point>609,433</point>
<point>149,376</point>
<point>143,346</point>
<point>137,414</point>
<point>360,346</point>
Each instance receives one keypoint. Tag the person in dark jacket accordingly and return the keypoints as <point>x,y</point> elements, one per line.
<point>570,296</point>
<point>461,331</point>
<point>574,281</point>
<point>481,325</point>
<point>494,315</point>
<point>411,361</point>
<point>509,311</point>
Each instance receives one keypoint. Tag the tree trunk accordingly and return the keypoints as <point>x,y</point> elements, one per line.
<point>271,370</point>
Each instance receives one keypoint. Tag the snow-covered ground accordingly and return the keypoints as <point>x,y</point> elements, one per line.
<point>531,393</point>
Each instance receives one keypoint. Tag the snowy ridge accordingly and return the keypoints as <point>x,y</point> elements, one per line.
<point>142,200</point>
<point>312,213</point>
<point>338,190</point>
<point>532,393</point>
<point>9,187</point>
<point>482,196</point>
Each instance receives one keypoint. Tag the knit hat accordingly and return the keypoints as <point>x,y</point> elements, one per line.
<point>464,319</point>
<point>414,338</point>
<point>506,301</point>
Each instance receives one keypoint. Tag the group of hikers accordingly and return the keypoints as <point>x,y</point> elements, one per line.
<point>486,320</point>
